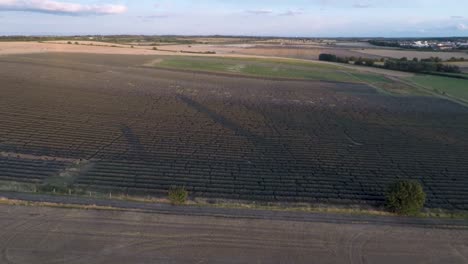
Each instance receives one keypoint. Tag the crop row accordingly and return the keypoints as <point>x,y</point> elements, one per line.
<point>233,138</point>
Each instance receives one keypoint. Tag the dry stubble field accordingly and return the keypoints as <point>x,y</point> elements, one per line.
<point>105,123</point>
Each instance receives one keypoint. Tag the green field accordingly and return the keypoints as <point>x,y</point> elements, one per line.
<point>303,70</point>
<point>269,68</point>
<point>452,87</point>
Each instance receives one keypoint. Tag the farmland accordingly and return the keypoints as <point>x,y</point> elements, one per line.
<point>113,123</point>
<point>392,53</point>
<point>270,68</point>
<point>451,86</point>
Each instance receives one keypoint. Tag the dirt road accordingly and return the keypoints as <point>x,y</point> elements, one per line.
<point>52,235</point>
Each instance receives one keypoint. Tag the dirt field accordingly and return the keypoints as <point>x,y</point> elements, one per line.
<point>139,130</point>
<point>411,54</point>
<point>51,235</point>
<point>307,52</point>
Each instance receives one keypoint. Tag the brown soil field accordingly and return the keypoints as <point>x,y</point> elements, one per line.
<point>42,235</point>
<point>143,130</point>
<point>307,52</point>
<point>392,53</point>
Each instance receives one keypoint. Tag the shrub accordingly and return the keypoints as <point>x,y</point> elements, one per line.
<point>369,62</point>
<point>405,197</point>
<point>154,48</point>
<point>69,42</point>
<point>54,188</point>
<point>177,195</point>
<point>359,61</point>
<point>327,57</point>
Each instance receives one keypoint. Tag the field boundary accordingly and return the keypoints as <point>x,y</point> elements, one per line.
<point>22,199</point>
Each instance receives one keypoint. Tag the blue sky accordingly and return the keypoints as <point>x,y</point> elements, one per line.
<point>308,18</point>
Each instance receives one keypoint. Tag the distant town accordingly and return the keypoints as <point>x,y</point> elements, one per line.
<point>458,44</point>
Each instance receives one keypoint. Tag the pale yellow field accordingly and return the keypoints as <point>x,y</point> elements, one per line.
<point>36,47</point>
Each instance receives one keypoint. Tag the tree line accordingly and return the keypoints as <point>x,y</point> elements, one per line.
<point>432,64</point>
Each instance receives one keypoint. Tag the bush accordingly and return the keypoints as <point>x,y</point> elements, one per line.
<point>177,195</point>
<point>327,57</point>
<point>405,197</point>
<point>69,42</point>
<point>359,61</point>
<point>369,62</point>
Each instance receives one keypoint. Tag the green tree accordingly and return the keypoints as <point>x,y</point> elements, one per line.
<point>327,57</point>
<point>177,195</point>
<point>405,197</point>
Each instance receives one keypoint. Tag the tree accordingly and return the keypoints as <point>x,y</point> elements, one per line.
<point>327,57</point>
<point>359,61</point>
<point>177,195</point>
<point>405,197</point>
<point>369,62</point>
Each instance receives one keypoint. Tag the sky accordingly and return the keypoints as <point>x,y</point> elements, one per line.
<point>287,18</point>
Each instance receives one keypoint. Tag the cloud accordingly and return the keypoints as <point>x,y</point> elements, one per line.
<point>362,5</point>
<point>259,11</point>
<point>292,13</point>
<point>456,17</point>
<point>152,17</point>
<point>462,27</point>
<point>64,8</point>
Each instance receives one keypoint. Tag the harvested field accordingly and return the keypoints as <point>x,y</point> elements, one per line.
<point>144,130</point>
<point>9,48</point>
<point>298,52</point>
<point>392,53</point>
<point>307,52</point>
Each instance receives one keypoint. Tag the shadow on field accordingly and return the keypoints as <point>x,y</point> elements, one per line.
<point>133,142</point>
<point>222,120</point>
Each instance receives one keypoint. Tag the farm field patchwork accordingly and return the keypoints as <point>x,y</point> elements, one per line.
<point>105,122</point>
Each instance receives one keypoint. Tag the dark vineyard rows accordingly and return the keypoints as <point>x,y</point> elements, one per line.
<point>144,130</point>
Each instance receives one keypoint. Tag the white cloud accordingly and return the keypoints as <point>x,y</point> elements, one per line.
<point>56,7</point>
<point>462,26</point>
<point>362,5</point>
<point>292,12</point>
<point>259,11</point>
